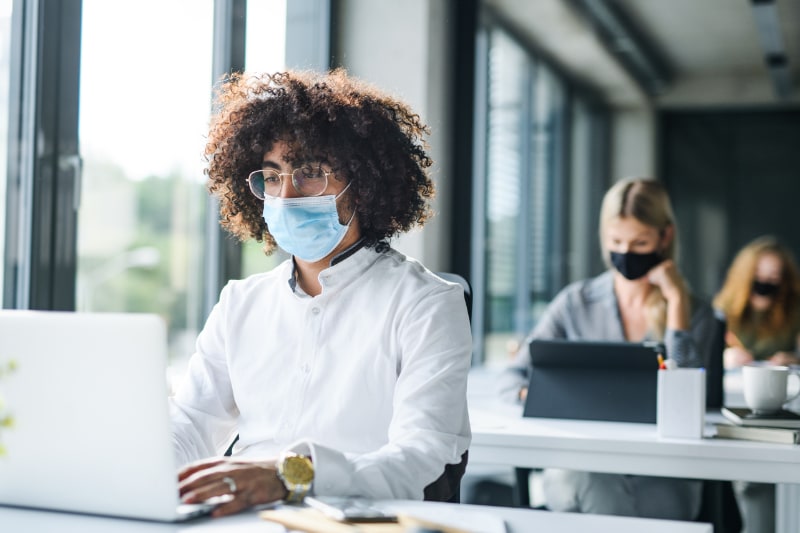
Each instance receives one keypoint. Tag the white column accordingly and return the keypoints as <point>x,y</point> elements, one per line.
<point>404,48</point>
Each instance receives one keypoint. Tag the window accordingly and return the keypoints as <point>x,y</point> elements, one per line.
<point>265,52</point>
<point>144,104</point>
<point>5,69</point>
<point>107,207</point>
<point>537,190</point>
<point>508,80</point>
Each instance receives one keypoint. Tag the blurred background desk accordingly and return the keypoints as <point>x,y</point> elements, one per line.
<point>500,436</point>
<point>517,521</point>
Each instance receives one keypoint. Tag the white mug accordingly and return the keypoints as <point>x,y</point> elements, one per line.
<point>765,387</point>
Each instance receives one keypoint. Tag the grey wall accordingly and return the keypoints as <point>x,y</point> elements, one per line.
<point>732,176</point>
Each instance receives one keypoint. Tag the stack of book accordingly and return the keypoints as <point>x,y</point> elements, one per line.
<point>781,427</point>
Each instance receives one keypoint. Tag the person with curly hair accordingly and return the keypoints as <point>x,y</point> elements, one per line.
<point>760,300</point>
<point>343,370</point>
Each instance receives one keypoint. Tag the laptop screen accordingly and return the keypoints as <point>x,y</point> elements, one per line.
<point>89,399</point>
<point>612,381</point>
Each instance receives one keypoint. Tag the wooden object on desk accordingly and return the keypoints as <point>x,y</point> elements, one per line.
<point>313,521</point>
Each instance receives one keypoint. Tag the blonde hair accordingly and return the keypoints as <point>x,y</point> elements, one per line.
<point>645,200</point>
<point>734,297</point>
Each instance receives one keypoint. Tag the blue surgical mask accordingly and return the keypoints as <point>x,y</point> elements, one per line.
<point>306,227</point>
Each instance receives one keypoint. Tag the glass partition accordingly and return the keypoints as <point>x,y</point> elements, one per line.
<point>538,192</point>
<point>144,104</point>
<point>5,66</point>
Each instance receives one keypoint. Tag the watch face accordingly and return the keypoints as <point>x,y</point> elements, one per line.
<point>298,469</point>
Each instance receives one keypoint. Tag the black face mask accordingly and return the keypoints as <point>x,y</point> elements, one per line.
<point>765,289</point>
<point>634,266</point>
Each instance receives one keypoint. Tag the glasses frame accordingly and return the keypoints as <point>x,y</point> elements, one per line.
<point>249,181</point>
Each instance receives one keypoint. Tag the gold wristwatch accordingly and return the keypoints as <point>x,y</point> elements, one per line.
<point>296,472</point>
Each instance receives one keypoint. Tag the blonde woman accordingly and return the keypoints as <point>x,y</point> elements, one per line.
<point>761,303</point>
<point>642,296</point>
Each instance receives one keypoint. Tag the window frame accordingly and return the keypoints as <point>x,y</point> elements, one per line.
<point>44,163</point>
<point>43,193</point>
<point>570,235</point>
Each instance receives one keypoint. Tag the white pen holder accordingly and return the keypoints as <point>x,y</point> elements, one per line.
<point>681,403</point>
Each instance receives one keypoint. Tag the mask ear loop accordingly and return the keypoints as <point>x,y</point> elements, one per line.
<point>343,190</point>
<point>354,211</point>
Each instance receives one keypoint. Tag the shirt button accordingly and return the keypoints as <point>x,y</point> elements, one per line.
<point>315,310</point>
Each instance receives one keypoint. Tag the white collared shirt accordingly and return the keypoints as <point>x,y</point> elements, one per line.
<point>369,377</point>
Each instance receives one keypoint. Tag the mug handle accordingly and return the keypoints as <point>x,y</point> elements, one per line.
<point>796,375</point>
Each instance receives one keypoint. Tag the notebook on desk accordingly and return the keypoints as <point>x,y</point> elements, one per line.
<point>743,416</point>
<point>91,428</point>
<point>611,381</point>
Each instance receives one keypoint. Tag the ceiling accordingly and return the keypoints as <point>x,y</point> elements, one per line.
<point>711,47</point>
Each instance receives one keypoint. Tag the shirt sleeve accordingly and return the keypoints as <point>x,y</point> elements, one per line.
<point>430,422</point>
<point>203,411</point>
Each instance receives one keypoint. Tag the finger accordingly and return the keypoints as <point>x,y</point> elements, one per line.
<point>201,493</point>
<point>201,479</point>
<point>234,506</point>
<point>193,468</point>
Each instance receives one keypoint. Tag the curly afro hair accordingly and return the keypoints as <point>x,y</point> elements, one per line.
<point>371,140</point>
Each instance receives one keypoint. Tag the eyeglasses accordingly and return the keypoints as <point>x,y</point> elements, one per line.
<point>308,180</point>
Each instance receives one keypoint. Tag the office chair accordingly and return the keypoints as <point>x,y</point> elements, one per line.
<point>447,487</point>
<point>715,370</point>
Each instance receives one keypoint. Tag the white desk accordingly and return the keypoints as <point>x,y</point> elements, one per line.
<point>500,436</point>
<point>517,521</point>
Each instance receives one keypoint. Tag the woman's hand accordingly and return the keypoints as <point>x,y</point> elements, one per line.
<point>666,277</point>
<point>736,356</point>
<point>249,482</point>
<point>784,359</point>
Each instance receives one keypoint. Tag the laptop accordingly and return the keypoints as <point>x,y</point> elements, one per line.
<point>611,381</point>
<point>91,430</point>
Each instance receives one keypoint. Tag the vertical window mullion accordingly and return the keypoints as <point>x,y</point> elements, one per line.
<point>44,169</point>
<point>21,137</point>
<point>479,196</point>
<point>223,256</point>
<point>522,282</point>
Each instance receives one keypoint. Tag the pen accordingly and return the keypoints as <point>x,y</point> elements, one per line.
<point>661,365</point>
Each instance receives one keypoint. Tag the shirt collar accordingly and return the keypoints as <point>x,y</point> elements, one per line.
<point>335,260</point>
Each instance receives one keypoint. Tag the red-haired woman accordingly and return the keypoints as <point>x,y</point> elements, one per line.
<point>761,303</point>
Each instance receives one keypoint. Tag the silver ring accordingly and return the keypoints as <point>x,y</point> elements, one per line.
<point>231,484</point>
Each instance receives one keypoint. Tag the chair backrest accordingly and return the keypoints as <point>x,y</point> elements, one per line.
<point>715,394</point>
<point>447,488</point>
